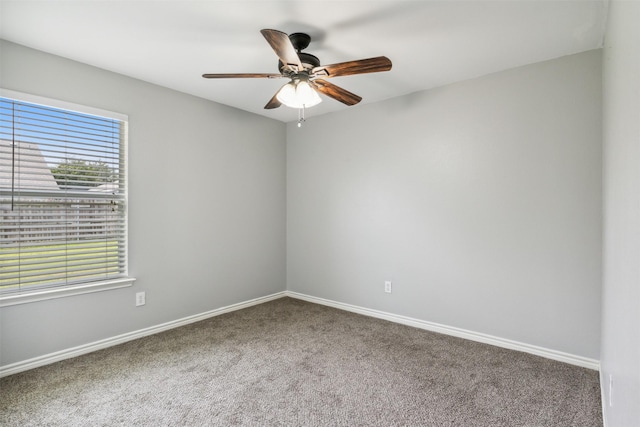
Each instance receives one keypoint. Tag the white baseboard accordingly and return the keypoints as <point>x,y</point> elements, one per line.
<point>456,332</point>
<point>47,359</point>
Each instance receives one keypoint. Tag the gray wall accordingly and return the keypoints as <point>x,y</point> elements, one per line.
<point>206,207</point>
<point>480,201</point>
<point>620,357</point>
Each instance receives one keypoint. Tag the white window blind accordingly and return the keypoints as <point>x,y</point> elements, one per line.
<point>62,197</point>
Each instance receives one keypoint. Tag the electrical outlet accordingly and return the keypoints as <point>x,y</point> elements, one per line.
<point>610,390</point>
<point>140,299</point>
<point>387,286</point>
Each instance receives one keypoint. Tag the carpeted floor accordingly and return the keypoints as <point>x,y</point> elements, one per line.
<point>292,363</point>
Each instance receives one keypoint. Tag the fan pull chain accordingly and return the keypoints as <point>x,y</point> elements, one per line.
<point>301,116</point>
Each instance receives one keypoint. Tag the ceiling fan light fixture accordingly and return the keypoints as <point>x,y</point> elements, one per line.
<point>298,94</point>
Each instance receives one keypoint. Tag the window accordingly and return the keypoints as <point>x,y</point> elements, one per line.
<point>63,199</point>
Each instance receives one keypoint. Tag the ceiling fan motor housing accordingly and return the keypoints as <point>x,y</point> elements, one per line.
<point>300,41</point>
<point>308,62</point>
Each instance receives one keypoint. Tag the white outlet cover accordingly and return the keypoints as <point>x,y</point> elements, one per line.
<point>140,299</point>
<point>610,390</point>
<point>387,286</point>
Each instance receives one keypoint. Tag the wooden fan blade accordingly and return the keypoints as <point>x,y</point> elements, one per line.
<point>336,92</point>
<point>242,76</point>
<point>283,47</point>
<point>273,103</point>
<point>362,66</point>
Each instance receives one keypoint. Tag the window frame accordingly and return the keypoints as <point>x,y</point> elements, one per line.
<point>46,293</point>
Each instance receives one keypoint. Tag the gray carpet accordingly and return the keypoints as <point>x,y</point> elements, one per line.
<point>292,363</point>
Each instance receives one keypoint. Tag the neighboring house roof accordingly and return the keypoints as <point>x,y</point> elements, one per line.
<point>30,169</point>
<point>107,187</point>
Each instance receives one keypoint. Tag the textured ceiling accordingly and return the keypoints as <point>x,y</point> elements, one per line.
<point>431,43</point>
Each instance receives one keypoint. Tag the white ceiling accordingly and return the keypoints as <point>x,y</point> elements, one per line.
<point>431,43</point>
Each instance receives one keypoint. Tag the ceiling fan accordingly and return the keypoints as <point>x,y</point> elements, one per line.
<point>306,75</point>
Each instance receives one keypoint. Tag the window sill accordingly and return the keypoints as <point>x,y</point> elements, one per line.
<point>67,291</point>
